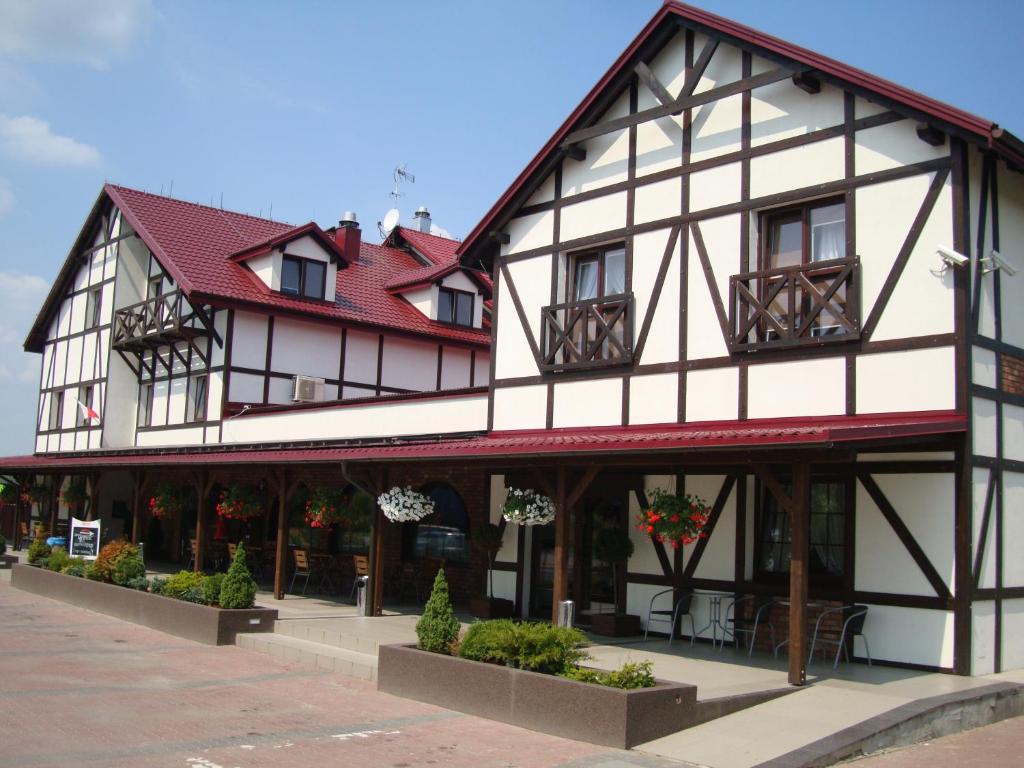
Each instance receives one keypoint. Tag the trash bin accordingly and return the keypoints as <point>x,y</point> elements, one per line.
<point>361,594</point>
<point>566,613</point>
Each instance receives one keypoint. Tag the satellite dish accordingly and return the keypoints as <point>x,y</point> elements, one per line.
<point>390,221</point>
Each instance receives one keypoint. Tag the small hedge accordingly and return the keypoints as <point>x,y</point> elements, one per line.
<point>629,676</point>
<point>437,629</point>
<point>58,560</point>
<point>38,550</point>
<point>239,587</point>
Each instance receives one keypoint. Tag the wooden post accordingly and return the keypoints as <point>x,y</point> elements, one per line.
<point>94,495</point>
<point>800,526</point>
<point>376,605</point>
<point>17,514</point>
<point>561,584</point>
<point>58,481</point>
<point>202,492</point>
<point>282,535</point>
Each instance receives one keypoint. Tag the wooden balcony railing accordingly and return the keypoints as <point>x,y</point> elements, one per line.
<point>806,304</point>
<point>592,333</point>
<point>163,319</point>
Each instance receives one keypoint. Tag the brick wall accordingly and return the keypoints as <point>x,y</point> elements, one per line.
<point>1013,375</point>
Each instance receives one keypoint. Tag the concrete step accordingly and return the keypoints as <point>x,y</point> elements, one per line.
<point>311,654</point>
<point>317,632</point>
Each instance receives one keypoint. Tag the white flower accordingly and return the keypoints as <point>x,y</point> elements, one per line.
<point>527,507</point>
<point>402,505</point>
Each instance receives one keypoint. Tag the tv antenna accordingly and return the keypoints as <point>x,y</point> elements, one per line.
<point>401,174</point>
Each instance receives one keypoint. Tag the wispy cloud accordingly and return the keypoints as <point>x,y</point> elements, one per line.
<point>30,140</point>
<point>89,31</point>
<point>6,196</point>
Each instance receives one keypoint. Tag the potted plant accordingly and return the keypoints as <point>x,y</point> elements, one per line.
<point>74,495</point>
<point>404,505</point>
<point>167,501</point>
<point>677,519</point>
<point>325,507</point>
<point>613,546</point>
<point>487,538</point>
<point>527,507</point>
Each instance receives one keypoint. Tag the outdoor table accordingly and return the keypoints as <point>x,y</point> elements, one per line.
<point>716,619</point>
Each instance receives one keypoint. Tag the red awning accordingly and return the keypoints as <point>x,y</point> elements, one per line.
<point>596,441</point>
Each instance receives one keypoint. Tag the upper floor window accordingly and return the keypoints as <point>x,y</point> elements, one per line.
<point>196,399</point>
<point>86,410</point>
<point>596,274</point>
<point>303,277</point>
<point>145,405</point>
<point>56,409</point>
<point>805,234</point>
<point>455,307</point>
<point>93,307</point>
<point>154,287</point>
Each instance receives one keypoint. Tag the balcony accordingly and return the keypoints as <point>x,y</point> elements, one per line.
<point>591,333</point>
<point>801,305</point>
<point>163,319</point>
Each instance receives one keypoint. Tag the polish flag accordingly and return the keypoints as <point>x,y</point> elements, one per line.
<point>87,412</point>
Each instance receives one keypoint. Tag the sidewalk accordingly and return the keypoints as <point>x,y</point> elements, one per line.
<point>993,746</point>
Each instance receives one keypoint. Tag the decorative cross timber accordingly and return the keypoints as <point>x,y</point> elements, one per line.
<point>783,306</point>
<point>587,333</point>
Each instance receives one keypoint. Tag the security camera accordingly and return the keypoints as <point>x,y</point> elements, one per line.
<point>996,261</point>
<point>951,257</point>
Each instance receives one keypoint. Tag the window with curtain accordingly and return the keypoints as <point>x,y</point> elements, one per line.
<point>827,555</point>
<point>596,275</point>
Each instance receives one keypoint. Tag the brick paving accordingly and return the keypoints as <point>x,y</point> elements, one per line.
<point>992,746</point>
<point>79,689</point>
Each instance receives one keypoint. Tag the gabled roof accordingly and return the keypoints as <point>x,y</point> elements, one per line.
<point>427,275</point>
<point>195,243</point>
<point>433,248</point>
<point>944,116</point>
<point>276,241</point>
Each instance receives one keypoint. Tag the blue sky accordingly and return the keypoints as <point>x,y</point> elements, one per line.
<point>306,107</point>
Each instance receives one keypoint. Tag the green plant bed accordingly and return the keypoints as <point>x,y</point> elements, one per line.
<point>202,623</point>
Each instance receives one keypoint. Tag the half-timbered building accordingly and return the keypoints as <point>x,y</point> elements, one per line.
<point>739,269</point>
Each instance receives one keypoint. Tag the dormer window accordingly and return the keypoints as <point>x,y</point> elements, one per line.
<point>455,307</point>
<point>303,277</point>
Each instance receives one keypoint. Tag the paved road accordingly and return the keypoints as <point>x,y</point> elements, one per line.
<point>993,746</point>
<point>82,689</point>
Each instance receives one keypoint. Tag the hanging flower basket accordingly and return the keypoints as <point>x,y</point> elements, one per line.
<point>166,501</point>
<point>404,505</point>
<point>240,502</point>
<point>35,494</point>
<point>325,507</point>
<point>676,519</point>
<point>75,494</point>
<point>527,507</point>
<point>9,493</point>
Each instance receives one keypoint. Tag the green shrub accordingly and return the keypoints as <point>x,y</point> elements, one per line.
<point>211,588</point>
<point>92,573</point>
<point>629,676</point>
<point>238,590</point>
<point>438,628</point>
<point>488,641</point>
<point>38,549</point>
<point>109,556</point>
<point>536,646</point>
<point>180,583</point>
<point>156,586</point>
<point>58,558</point>
<point>3,544</point>
<point>76,567</point>
<point>194,595</point>
<point>141,583</point>
<point>127,567</point>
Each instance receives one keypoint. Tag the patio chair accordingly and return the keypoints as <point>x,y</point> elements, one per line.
<point>362,568</point>
<point>671,615</point>
<point>26,535</point>
<point>193,549</point>
<point>300,557</point>
<point>853,626</point>
<point>736,625</point>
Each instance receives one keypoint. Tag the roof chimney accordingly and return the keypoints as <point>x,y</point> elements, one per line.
<point>422,217</point>
<point>348,236</point>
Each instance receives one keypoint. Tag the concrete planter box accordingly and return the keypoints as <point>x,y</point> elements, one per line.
<point>545,703</point>
<point>212,626</point>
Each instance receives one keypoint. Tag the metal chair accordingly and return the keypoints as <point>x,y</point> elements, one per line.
<point>853,626</point>
<point>742,625</point>
<point>193,549</point>
<point>671,615</point>
<point>26,536</point>
<point>301,559</point>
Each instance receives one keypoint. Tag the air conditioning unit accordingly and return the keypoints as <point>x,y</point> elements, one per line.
<point>307,389</point>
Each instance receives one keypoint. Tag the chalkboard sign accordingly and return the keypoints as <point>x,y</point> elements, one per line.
<point>85,538</point>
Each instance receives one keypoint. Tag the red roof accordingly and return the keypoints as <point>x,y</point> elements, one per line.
<point>984,131</point>
<point>312,229</point>
<point>593,441</point>
<point>439,250</point>
<point>195,242</point>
